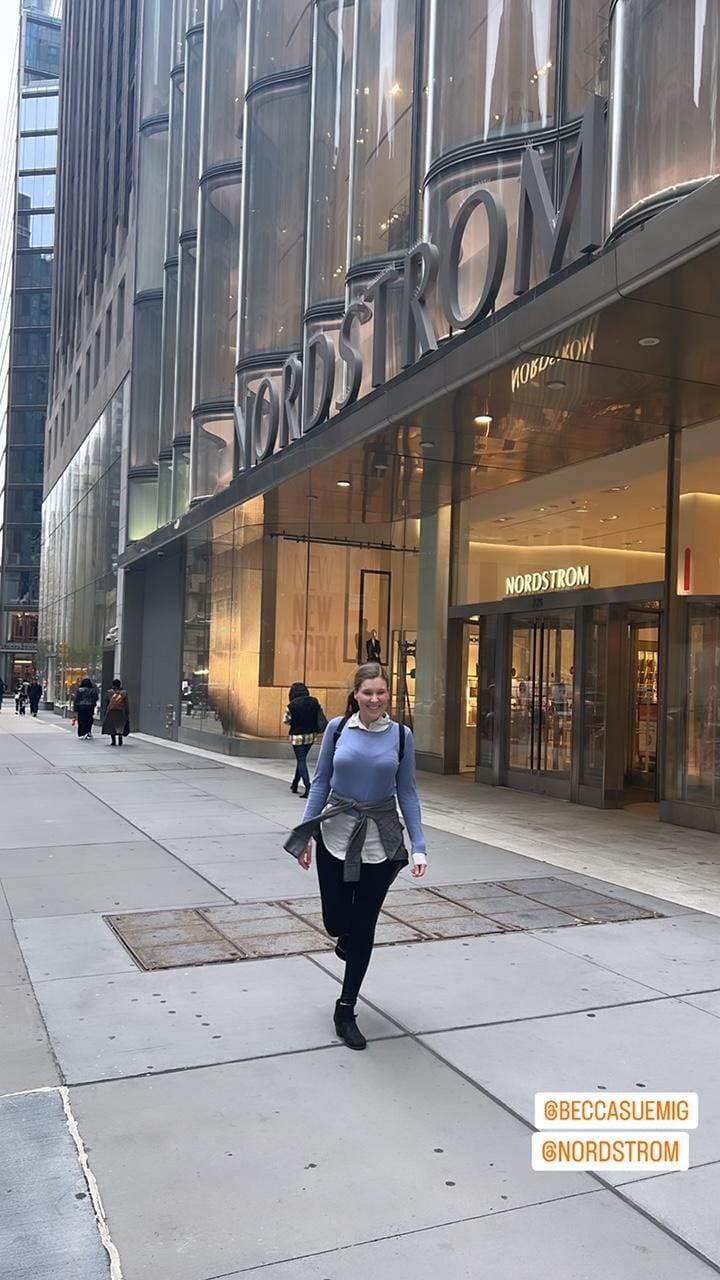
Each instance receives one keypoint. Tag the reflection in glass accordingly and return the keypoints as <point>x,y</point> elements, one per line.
<point>174,173</point>
<point>218,254</point>
<point>225,25</point>
<point>280,36</point>
<point>587,54</point>
<point>213,449</point>
<point>36,191</point>
<point>541,693</point>
<point>331,150</point>
<point>155,58</point>
<point>39,152</point>
<point>381,215</point>
<point>147,334</point>
<point>664,104</point>
<point>702,716</point>
<point>39,112</point>
<point>167,362</point>
<point>495,70</point>
<point>275,218</point>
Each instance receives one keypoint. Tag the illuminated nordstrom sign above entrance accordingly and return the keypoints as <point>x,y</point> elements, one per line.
<point>278,412</point>
<point>533,584</point>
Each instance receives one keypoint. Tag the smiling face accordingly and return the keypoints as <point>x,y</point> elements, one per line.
<point>372,697</point>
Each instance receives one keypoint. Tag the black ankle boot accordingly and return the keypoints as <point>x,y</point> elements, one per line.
<point>347,1028</point>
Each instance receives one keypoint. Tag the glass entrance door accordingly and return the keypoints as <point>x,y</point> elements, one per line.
<point>642,701</point>
<point>541,693</point>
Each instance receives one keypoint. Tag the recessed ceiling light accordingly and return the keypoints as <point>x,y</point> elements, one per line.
<point>648,342</point>
<point>502,520</point>
<point>618,488</point>
<point>427,444</point>
<point>555,384</point>
<point>483,419</point>
<point>343,484</point>
<point>606,519</point>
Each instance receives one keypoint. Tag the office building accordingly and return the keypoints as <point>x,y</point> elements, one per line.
<point>27,230</point>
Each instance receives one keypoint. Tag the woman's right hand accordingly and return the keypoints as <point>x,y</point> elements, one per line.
<point>305,858</point>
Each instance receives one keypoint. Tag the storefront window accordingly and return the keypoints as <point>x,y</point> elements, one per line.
<point>331,150</point>
<point>280,36</point>
<point>664,105</point>
<point>219,250</point>
<point>381,215</point>
<point>225,81</point>
<point>594,700</point>
<point>275,218</point>
<point>697,648</point>
<point>495,70</point>
<point>603,520</point>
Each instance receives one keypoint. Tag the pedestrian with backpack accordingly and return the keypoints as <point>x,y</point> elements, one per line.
<point>305,717</point>
<point>366,767</point>
<point>117,714</point>
<point>84,704</point>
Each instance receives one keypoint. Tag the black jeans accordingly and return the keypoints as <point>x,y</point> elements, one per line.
<point>301,769</point>
<point>350,911</point>
<point>84,720</point>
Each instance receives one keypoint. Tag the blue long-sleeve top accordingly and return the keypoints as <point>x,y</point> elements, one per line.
<point>365,768</point>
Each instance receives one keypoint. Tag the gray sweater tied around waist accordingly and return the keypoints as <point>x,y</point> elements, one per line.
<point>384,814</point>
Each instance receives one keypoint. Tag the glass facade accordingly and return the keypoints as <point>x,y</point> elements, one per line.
<point>26,279</point>
<point>81,521</point>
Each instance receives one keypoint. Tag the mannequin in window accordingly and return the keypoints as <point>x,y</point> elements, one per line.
<point>373,647</point>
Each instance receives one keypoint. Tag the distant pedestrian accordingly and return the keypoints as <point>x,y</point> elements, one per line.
<point>34,695</point>
<point>373,647</point>
<point>21,697</point>
<point>84,704</point>
<point>2,691</point>
<point>365,768</point>
<point>116,723</point>
<point>305,717</point>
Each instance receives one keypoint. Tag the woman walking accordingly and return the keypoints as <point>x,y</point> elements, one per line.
<point>84,707</point>
<point>117,714</point>
<point>305,717</point>
<point>34,695</point>
<point>365,768</point>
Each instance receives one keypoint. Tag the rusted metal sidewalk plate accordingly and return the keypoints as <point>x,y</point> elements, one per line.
<point>250,930</point>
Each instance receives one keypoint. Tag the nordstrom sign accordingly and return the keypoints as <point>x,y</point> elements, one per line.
<point>277,412</point>
<point>527,584</point>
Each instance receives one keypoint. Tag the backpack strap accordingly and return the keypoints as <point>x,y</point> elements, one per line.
<point>338,731</point>
<point>401,743</point>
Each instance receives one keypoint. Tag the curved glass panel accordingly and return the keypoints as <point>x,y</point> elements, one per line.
<point>167,371</point>
<point>586,58</point>
<point>195,13</point>
<point>145,389</point>
<point>218,257</point>
<point>664,104</point>
<point>501,176</point>
<point>280,36</point>
<point>276,194</point>
<point>213,453</point>
<point>174,173</point>
<point>184,341</point>
<point>224,81</point>
<point>178,33</point>
<point>331,150</point>
<point>191,133</point>
<point>151,198</point>
<point>180,479</point>
<point>495,70</point>
<point>381,217</point>
<point>155,58</point>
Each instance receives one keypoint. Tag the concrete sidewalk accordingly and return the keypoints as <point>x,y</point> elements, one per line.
<point>201,1120</point>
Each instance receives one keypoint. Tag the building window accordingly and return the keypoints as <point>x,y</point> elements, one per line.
<point>280,36</point>
<point>120,312</point>
<point>39,151</point>
<point>33,269</point>
<point>36,191</point>
<point>108,335</point>
<point>96,359</point>
<point>225,93</point>
<point>331,152</point>
<point>87,374</point>
<point>217,287</point>
<point>39,112</point>
<point>77,391</point>
<point>31,348</point>
<point>32,309</point>
<point>34,230</point>
<point>30,386</point>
